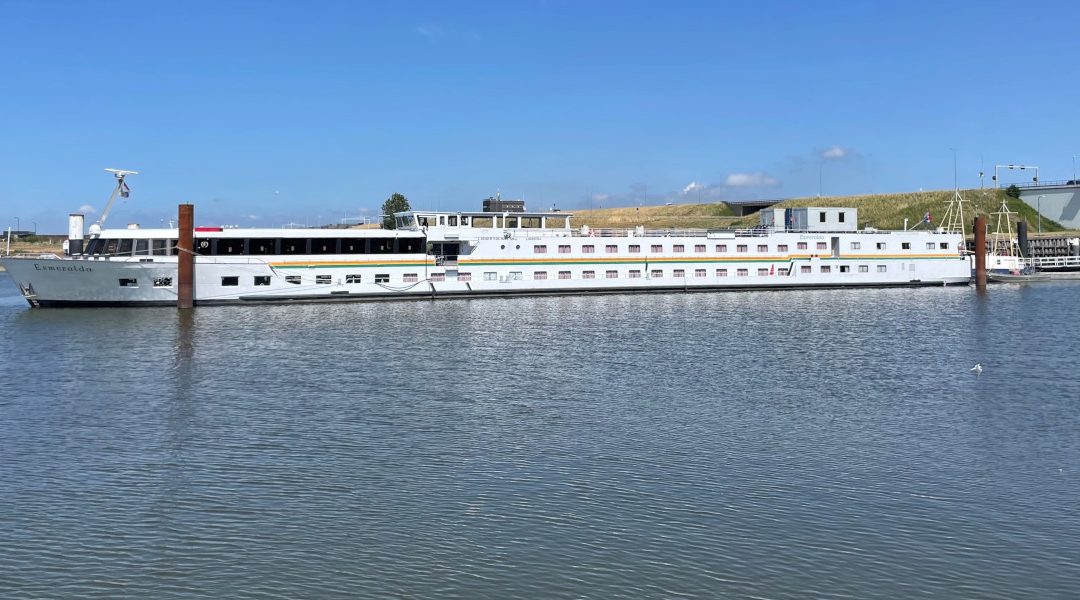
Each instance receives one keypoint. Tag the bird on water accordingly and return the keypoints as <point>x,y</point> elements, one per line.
<point>977,369</point>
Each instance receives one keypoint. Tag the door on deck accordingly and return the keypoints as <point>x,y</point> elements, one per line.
<point>446,253</point>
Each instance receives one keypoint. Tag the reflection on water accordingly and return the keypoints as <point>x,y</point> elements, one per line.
<point>777,445</point>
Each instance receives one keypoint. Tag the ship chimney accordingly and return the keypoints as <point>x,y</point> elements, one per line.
<point>75,233</point>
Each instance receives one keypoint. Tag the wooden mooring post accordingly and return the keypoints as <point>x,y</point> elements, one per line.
<point>185,250</point>
<point>980,251</point>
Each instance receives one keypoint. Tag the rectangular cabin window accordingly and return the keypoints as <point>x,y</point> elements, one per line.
<point>511,222</point>
<point>531,222</point>
<point>262,246</point>
<point>864,268</point>
<point>539,249</point>
<point>826,269</point>
<point>742,272</point>
<point>721,247</point>
<point>882,268</point>
<point>142,247</point>
<point>699,272</point>
<point>634,249</point>
<point>800,246</point>
<point>437,277</point>
<point>411,278</point>
<point>905,245</point>
<point>293,279</point>
<point>656,248</point>
<point>426,221</point>
<point>822,245</point>
<point>230,246</point>
<point>721,272</point>
<point>382,278</point>
<point>125,248</point>
<point>323,246</point>
<point>538,275</point>
<point>110,247</point>
<point>353,278</point>
<point>564,274</point>
<point>656,273</point>
<point>881,245</point>
<point>322,279</point>
<point>451,221</point>
<point>588,249</point>
<point>482,223</point>
<point>588,275</point>
<point>464,221</point>
<point>163,282</point>
<point>611,248</point>
<point>856,245</point>
<point>262,280</point>
<point>294,246</point>
<point>564,249</point>
<point>845,268</point>
<point>491,276</point>
<point>129,283</point>
<point>804,269</point>
<point>742,248</point>
<point>204,247</point>
<point>382,245</point>
<point>159,247</point>
<point>678,248</point>
<point>821,217</point>
<point>230,281</point>
<point>781,248</point>
<point>410,246</point>
<point>929,245</point>
<point>763,248</point>
<point>465,276</point>
<point>635,274</point>
<point>611,274</point>
<point>762,272</point>
<point>353,246</point>
<point>943,246</point>
<point>699,247</point>
<point>680,273</point>
<point>841,216</point>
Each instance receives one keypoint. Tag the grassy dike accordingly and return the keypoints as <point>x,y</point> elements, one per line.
<point>883,211</point>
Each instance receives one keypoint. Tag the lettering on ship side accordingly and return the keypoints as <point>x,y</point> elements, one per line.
<point>76,268</point>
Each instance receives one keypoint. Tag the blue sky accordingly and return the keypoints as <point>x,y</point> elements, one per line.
<point>263,113</point>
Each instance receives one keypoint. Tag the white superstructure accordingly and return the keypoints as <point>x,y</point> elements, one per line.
<point>454,254</point>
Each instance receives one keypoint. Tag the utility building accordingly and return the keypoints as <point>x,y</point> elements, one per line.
<point>811,219</point>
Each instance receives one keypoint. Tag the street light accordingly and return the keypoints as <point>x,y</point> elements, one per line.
<point>1039,208</point>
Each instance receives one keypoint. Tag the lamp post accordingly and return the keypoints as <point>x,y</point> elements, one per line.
<point>821,167</point>
<point>1039,209</point>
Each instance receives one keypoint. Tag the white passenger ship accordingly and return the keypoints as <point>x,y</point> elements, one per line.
<point>468,254</point>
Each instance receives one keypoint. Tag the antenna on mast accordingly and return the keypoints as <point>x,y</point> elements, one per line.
<point>122,190</point>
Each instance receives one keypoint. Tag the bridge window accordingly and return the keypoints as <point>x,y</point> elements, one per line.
<point>451,221</point>
<point>142,247</point>
<point>124,248</point>
<point>482,222</point>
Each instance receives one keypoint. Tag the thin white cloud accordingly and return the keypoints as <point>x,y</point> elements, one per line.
<point>692,187</point>
<point>835,152</point>
<point>253,217</point>
<point>87,209</point>
<point>757,179</point>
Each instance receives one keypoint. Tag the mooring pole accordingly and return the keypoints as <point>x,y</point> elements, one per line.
<point>980,251</point>
<point>185,249</point>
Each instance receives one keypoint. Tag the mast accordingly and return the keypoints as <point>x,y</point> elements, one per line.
<point>121,190</point>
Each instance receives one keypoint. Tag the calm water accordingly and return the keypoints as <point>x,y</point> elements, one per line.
<point>773,445</point>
